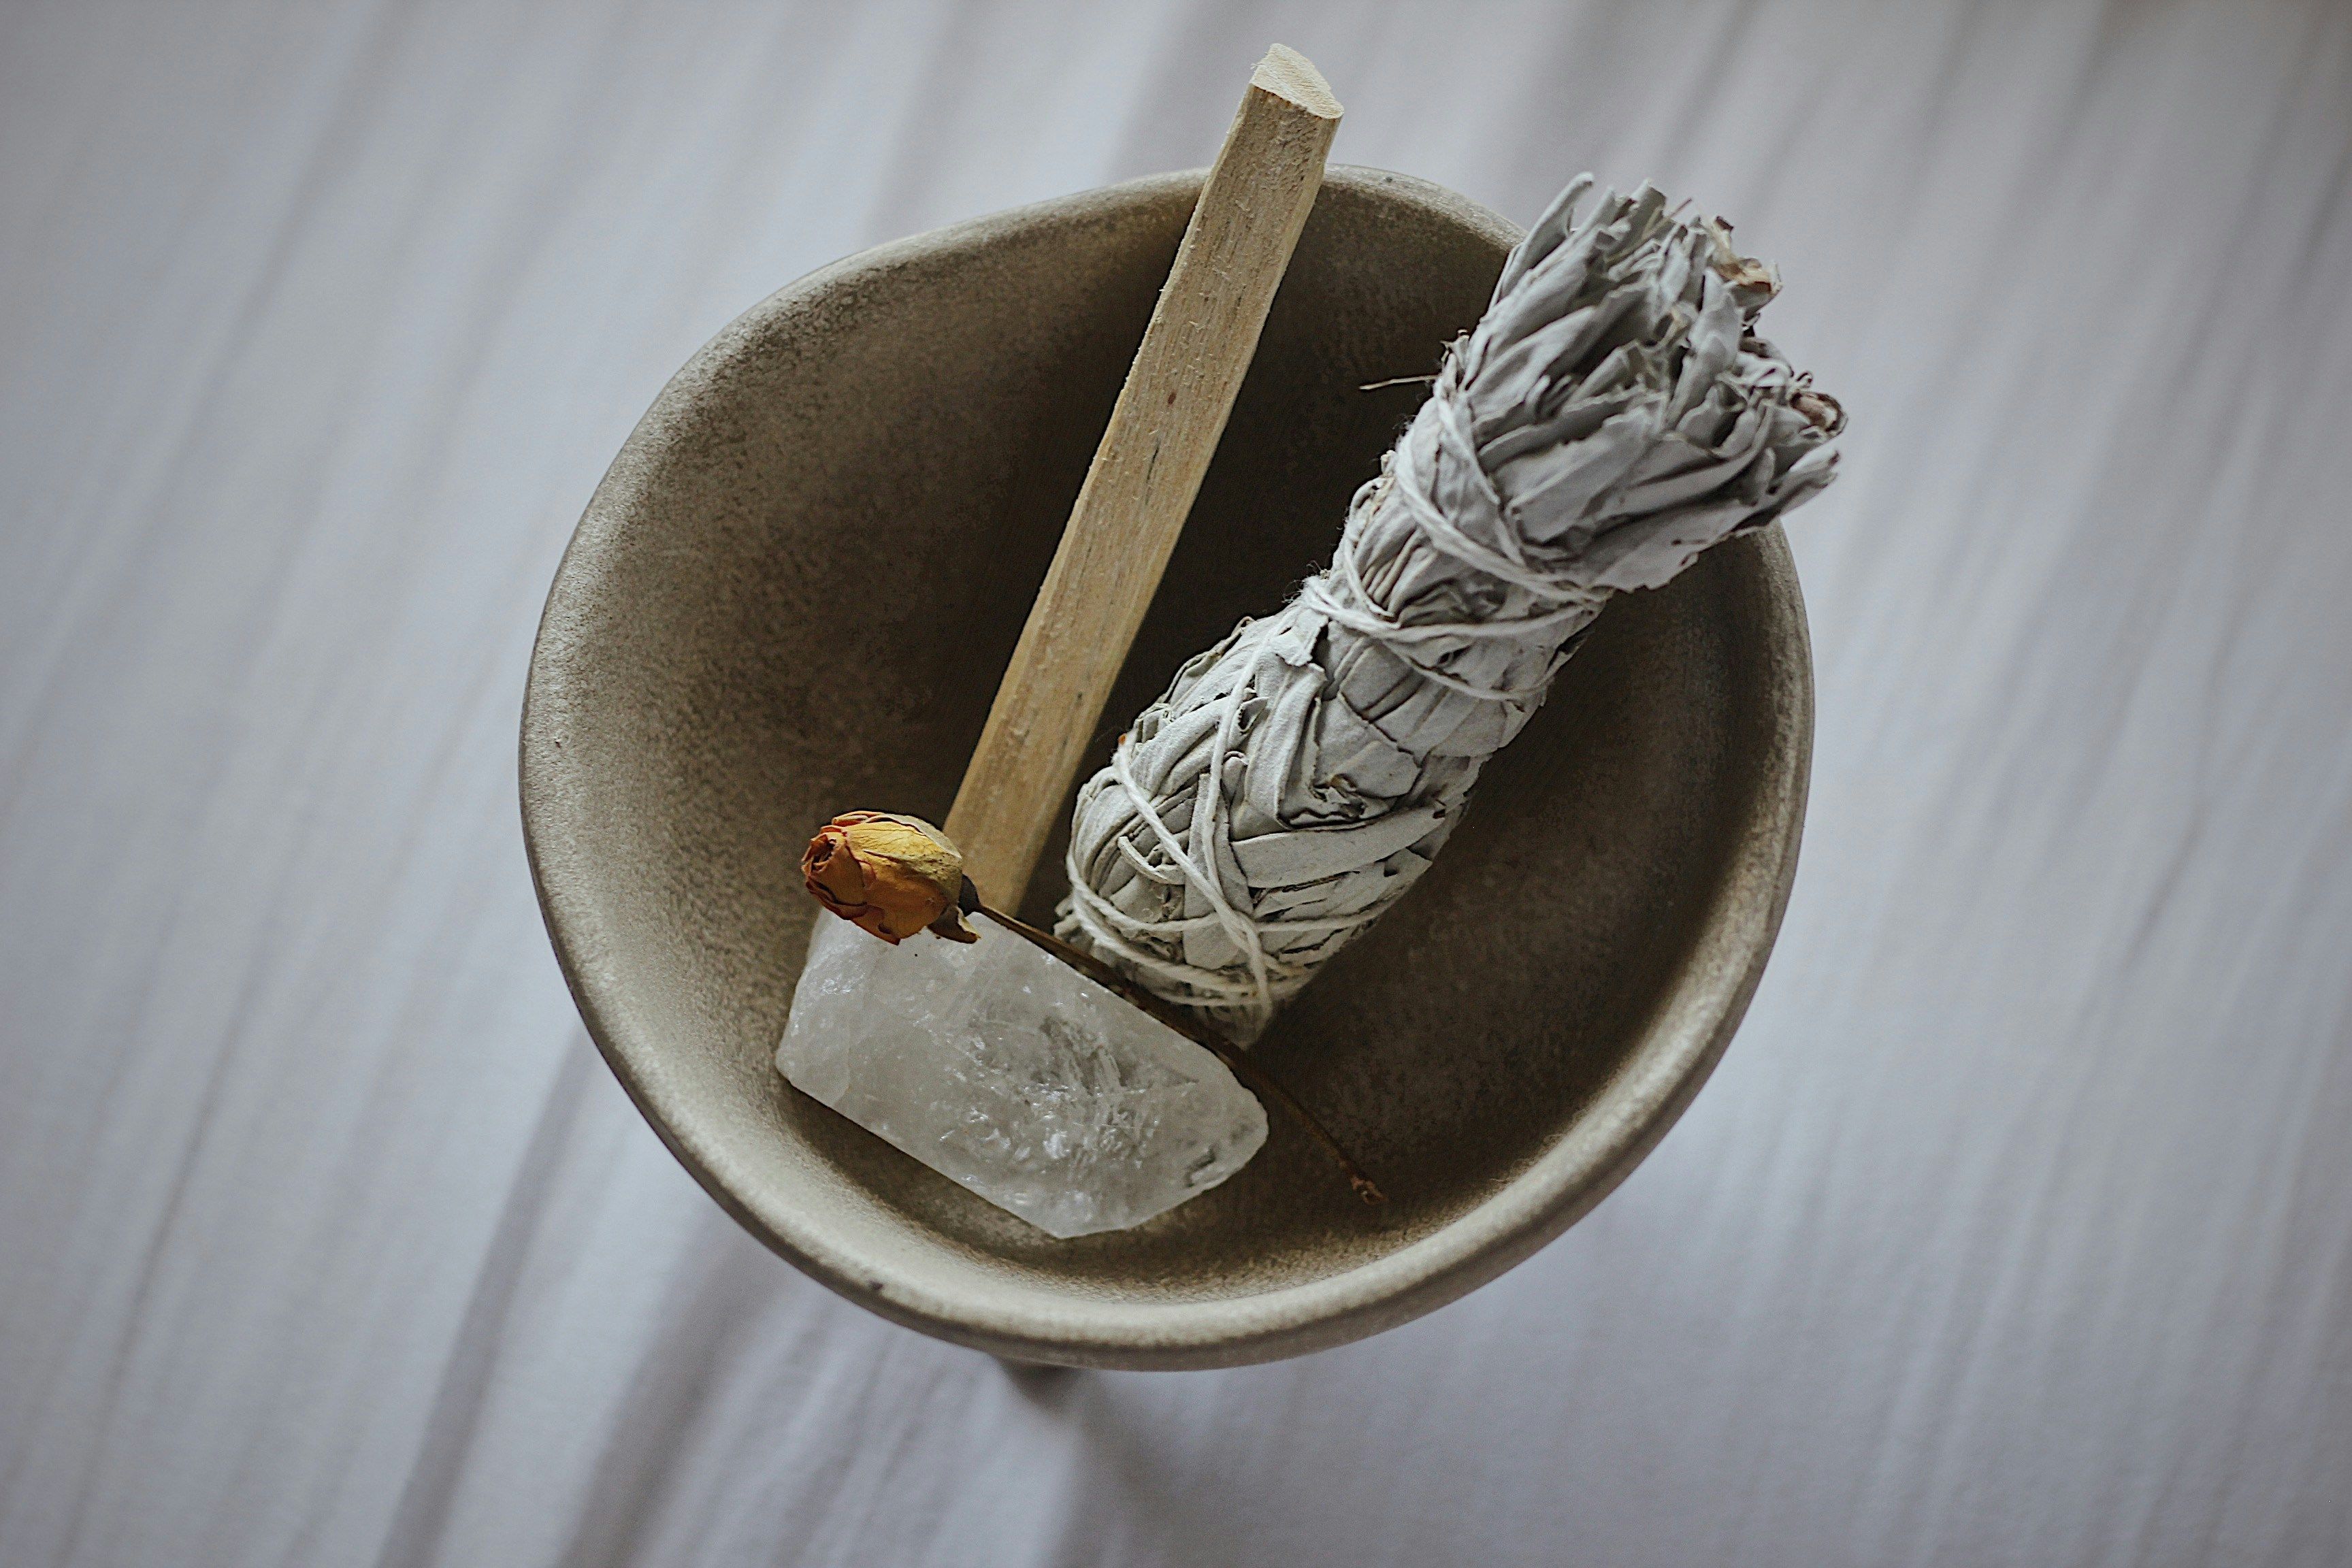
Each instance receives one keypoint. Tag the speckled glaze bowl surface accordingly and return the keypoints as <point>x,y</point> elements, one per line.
<point>792,595</point>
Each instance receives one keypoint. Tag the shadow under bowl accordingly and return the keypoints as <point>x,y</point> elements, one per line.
<point>794,595</point>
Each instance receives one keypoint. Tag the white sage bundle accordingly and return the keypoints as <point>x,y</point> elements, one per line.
<point>1611,416</point>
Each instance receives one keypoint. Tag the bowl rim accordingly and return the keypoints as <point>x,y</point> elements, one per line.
<point>1699,1006</point>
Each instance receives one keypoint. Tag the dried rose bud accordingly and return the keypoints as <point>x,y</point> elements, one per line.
<point>889,875</point>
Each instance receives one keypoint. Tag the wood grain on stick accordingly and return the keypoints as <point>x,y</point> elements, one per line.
<point>1162,432</point>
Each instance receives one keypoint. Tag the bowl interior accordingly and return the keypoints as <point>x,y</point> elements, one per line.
<point>793,596</point>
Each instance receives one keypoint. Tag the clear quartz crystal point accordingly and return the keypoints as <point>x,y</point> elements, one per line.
<point>1007,1070</point>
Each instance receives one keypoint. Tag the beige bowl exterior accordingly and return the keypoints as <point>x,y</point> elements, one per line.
<point>792,597</point>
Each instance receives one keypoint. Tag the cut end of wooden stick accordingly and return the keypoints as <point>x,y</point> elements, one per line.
<point>1291,76</point>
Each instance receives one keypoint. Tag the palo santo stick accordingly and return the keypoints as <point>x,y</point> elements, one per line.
<point>1162,432</point>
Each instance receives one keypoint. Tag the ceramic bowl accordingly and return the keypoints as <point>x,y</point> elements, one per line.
<point>792,595</point>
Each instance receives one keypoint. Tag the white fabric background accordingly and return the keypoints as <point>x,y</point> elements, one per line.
<point>2016,1228</point>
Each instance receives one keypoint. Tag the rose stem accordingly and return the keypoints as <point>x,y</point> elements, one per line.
<point>1248,1071</point>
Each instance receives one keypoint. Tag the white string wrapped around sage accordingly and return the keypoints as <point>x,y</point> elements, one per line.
<point>1611,416</point>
